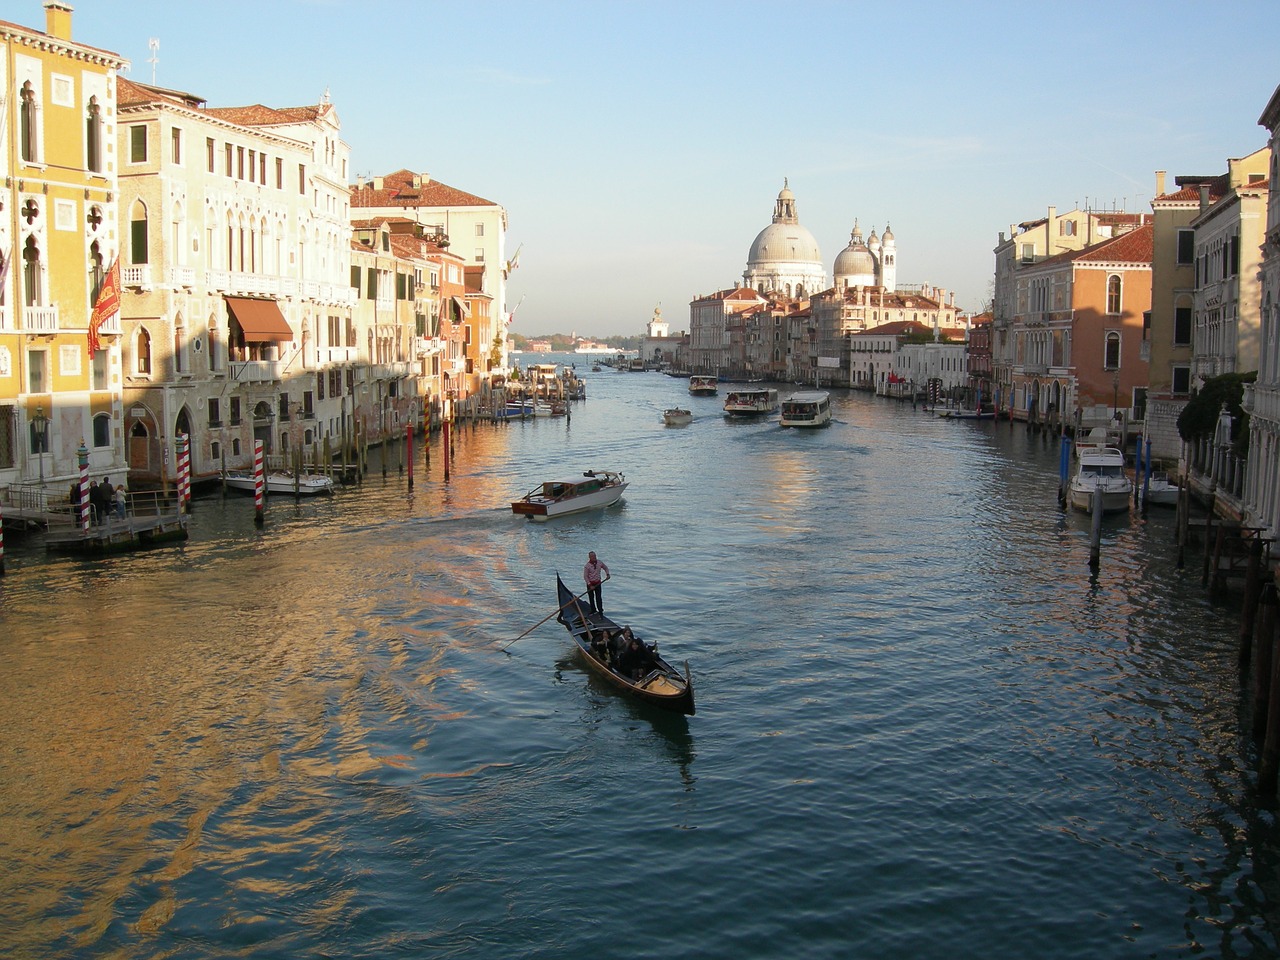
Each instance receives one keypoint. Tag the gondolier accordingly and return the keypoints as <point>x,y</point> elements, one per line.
<point>595,573</point>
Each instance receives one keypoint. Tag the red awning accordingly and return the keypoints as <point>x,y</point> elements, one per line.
<point>261,320</point>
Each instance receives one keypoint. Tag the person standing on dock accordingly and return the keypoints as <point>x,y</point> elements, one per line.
<point>595,573</point>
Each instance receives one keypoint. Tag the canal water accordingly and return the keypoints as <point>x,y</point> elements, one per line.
<point>925,728</point>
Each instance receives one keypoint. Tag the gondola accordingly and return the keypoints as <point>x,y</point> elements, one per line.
<point>663,686</point>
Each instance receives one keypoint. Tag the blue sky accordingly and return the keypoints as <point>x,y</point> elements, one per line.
<point>638,147</point>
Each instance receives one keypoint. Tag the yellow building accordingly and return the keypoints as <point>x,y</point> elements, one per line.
<point>58,241</point>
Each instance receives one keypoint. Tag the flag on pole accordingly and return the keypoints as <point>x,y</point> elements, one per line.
<point>106,306</point>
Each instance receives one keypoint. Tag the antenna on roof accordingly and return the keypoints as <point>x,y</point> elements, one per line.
<point>154,44</point>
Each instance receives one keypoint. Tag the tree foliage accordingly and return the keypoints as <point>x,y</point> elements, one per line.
<point>1199,418</point>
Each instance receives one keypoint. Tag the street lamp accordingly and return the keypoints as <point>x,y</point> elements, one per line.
<point>40,428</point>
<point>1115,394</point>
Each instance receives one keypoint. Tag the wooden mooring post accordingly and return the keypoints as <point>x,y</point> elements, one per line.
<point>1270,703</point>
<point>1252,599</point>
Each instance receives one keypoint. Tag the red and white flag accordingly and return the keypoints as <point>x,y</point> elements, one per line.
<point>106,306</point>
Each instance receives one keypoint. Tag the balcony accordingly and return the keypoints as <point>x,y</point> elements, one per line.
<point>137,276</point>
<point>40,319</point>
<point>111,324</point>
<point>256,371</point>
<point>184,277</point>
<point>6,319</point>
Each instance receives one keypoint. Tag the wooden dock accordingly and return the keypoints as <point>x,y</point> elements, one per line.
<point>116,535</point>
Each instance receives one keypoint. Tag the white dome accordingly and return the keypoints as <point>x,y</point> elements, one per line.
<point>784,243</point>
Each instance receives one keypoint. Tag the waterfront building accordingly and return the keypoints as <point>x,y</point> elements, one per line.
<point>843,311</point>
<point>709,321</point>
<point>60,384</point>
<point>237,296</point>
<point>1027,244</point>
<point>784,258</point>
<point>1076,333</point>
<point>870,264</point>
<point>1262,398</point>
<point>899,356</point>
<point>471,227</point>
<point>981,378</point>
<point>658,346</point>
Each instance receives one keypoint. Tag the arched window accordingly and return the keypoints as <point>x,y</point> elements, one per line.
<point>33,293</point>
<point>1113,294</point>
<point>93,136</point>
<point>142,352</point>
<point>1111,359</point>
<point>179,345</point>
<point>102,430</point>
<point>97,274</point>
<point>27,123</point>
<point>138,233</point>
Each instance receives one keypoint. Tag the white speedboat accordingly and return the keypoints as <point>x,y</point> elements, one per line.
<point>555,498</point>
<point>281,482</point>
<point>1100,472</point>
<point>703,386</point>
<point>751,402</point>
<point>676,417</point>
<point>1159,490</point>
<point>809,409</point>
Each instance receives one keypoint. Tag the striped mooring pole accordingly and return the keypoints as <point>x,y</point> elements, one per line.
<point>82,455</point>
<point>184,473</point>
<point>259,485</point>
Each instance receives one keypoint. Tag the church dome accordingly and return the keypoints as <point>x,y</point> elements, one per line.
<point>786,243</point>
<point>855,261</point>
<point>784,240</point>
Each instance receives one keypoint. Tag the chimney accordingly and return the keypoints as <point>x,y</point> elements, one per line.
<point>1159,183</point>
<point>57,19</point>
<point>417,181</point>
<point>360,181</point>
<point>1204,197</point>
<point>377,183</point>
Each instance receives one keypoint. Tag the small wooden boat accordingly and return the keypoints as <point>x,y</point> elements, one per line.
<point>1159,490</point>
<point>703,386</point>
<point>555,498</point>
<point>676,417</point>
<point>595,635</point>
<point>281,483</point>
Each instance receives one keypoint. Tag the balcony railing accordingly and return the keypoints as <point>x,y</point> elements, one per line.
<point>40,319</point>
<point>255,371</point>
<point>182,277</point>
<point>6,318</point>
<point>138,276</point>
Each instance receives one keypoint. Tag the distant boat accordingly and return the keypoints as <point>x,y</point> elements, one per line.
<point>307,485</point>
<point>675,417</point>
<point>811,409</point>
<point>751,402</point>
<point>1159,490</point>
<point>703,386</point>
<point>556,498</point>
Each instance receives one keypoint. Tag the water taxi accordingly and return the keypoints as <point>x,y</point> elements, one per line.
<point>555,498</point>
<point>750,402</point>
<point>280,482</point>
<point>676,417</point>
<point>703,386</point>
<point>812,409</point>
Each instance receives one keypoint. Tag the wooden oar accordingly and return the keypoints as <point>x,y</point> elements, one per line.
<point>545,619</point>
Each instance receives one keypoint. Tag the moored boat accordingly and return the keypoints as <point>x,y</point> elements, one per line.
<point>597,639</point>
<point>306,485</point>
<point>1100,472</point>
<point>750,402</point>
<point>676,417</point>
<point>556,498</point>
<point>703,386</point>
<point>1159,490</point>
<point>807,409</point>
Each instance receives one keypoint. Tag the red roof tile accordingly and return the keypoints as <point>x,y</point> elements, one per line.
<point>398,190</point>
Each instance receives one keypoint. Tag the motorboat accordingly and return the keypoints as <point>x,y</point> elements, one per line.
<point>1100,472</point>
<point>1159,490</point>
<point>703,386</point>
<point>807,409</point>
<point>281,482</point>
<point>676,417</point>
<point>555,498</point>
<point>752,402</point>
